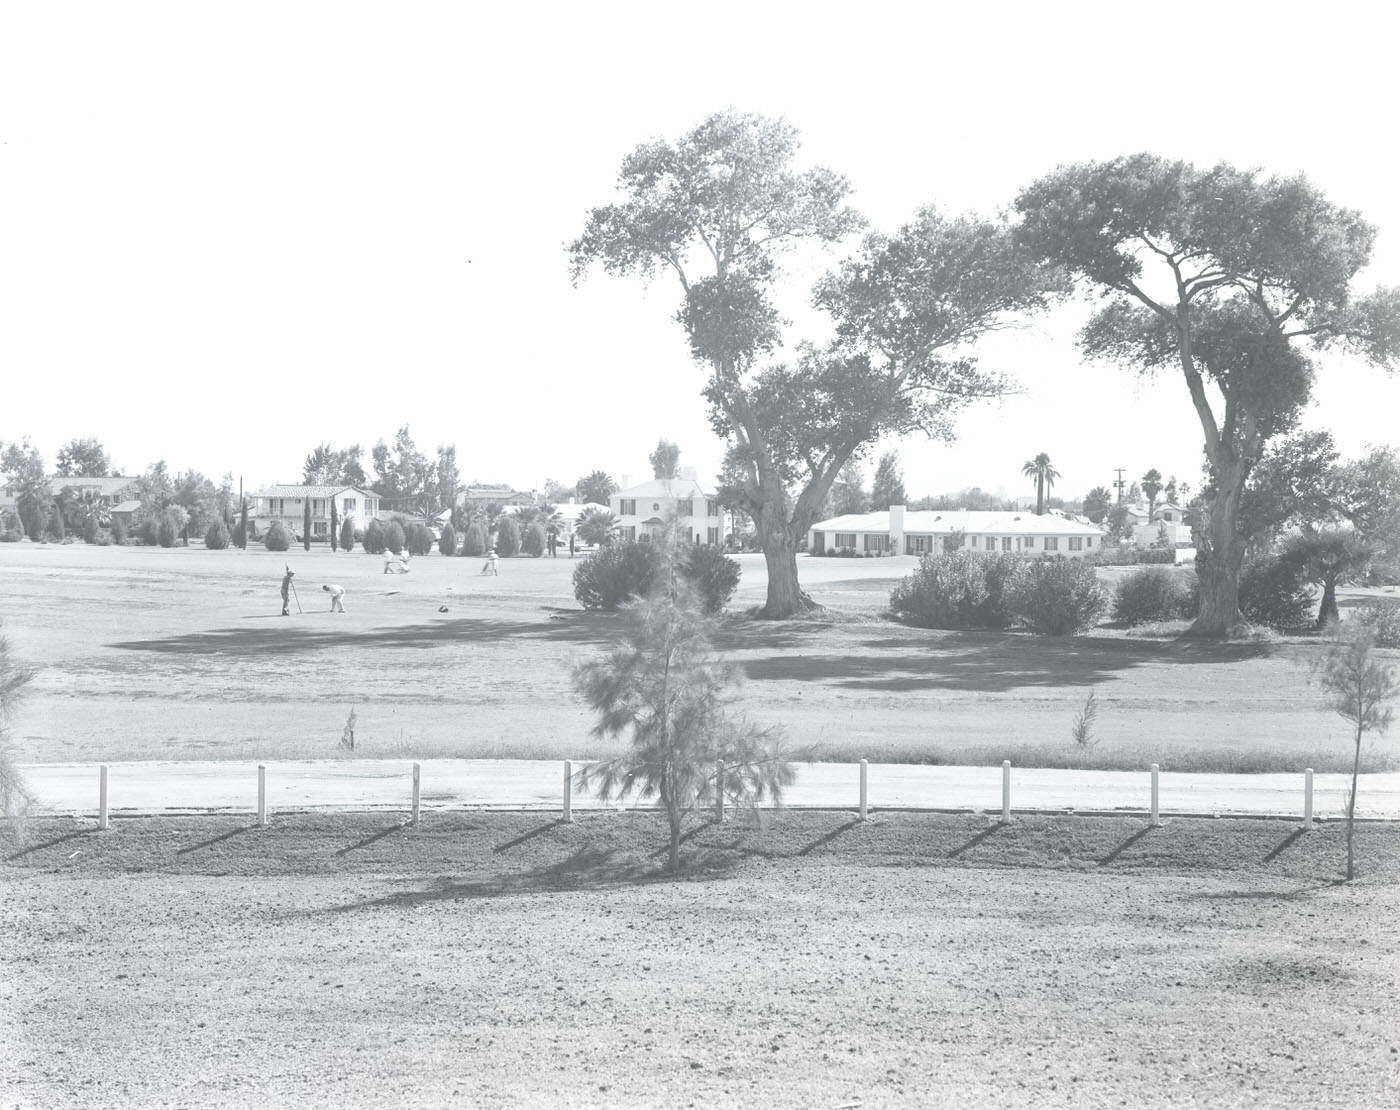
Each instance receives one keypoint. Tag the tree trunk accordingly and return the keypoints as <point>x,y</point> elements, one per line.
<point>785,595</point>
<point>1218,560</point>
<point>1351,803</point>
<point>1327,613</point>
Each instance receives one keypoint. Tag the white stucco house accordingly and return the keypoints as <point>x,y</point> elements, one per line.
<point>288,504</point>
<point>1167,516</point>
<point>644,511</point>
<point>899,532</point>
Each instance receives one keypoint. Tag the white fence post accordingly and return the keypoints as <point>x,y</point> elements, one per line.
<point>262,795</point>
<point>568,791</point>
<point>719,792</point>
<point>417,793</point>
<point>1155,821</point>
<point>102,796</point>
<point>864,773</point>
<point>1006,790</point>
<point>1307,799</point>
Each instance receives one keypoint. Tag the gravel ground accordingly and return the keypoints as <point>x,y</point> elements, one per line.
<point>509,959</point>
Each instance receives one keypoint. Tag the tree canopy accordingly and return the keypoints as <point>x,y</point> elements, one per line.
<point>82,458</point>
<point>887,487</point>
<point>1217,274</point>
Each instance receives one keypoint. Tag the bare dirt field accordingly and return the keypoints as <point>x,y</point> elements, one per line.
<point>182,654</point>
<point>511,960</point>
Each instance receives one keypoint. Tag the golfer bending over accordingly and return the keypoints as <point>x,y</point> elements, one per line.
<point>337,593</point>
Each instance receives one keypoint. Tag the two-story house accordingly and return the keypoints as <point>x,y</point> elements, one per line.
<point>644,512</point>
<point>288,504</point>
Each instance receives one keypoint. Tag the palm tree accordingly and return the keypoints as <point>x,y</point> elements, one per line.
<point>596,526</point>
<point>1151,487</point>
<point>1044,474</point>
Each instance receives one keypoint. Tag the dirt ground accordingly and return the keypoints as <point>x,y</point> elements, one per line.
<point>147,653</point>
<point>511,960</point>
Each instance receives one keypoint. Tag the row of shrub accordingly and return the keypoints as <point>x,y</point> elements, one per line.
<point>1128,555</point>
<point>620,572</point>
<point>1273,593</point>
<point>968,590</point>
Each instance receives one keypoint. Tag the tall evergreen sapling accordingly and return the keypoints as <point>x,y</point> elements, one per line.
<point>662,687</point>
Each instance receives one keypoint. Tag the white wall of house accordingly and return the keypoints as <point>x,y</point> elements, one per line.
<point>644,511</point>
<point>288,504</point>
<point>899,532</point>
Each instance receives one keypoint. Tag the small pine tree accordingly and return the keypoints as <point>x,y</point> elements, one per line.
<point>374,537</point>
<point>447,542</point>
<point>278,538</point>
<point>216,539</point>
<point>474,542</point>
<point>508,538</point>
<point>347,534</point>
<point>418,539</point>
<point>394,538</point>
<point>534,540</point>
<point>662,688</point>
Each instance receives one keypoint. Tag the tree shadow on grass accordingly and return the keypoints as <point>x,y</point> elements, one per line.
<point>80,834</point>
<point>1283,846</point>
<point>1121,848</point>
<point>977,839</point>
<point>215,840</point>
<point>373,838</point>
<point>989,662</point>
<point>282,639</point>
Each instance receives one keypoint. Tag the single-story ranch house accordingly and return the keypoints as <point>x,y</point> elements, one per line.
<point>929,530</point>
<point>288,504</point>
<point>643,511</point>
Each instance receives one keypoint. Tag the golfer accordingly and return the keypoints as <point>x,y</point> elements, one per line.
<point>490,566</point>
<point>337,594</point>
<point>286,591</point>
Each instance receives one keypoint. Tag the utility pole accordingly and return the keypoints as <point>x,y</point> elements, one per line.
<point>1118,485</point>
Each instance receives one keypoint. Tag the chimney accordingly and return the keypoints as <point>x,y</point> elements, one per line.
<point>626,482</point>
<point>687,473</point>
<point>897,529</point>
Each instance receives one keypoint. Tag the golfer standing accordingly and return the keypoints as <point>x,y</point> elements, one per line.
<point>286,591</point>
<point>337,594</point>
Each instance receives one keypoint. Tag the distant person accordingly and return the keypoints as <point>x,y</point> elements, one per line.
<point>553,541</point>
<point>571,545</point>
<point>286,591</point>
<point>490,566</point>
<point>337,595</point>
<point>396,564</point>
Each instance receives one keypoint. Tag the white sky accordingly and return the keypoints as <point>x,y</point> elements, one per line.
<point>229,232</point>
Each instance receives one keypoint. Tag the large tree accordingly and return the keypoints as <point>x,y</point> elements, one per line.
<point>718,209</point>
<point>82,458</point>
<point>665,460</point>
<point>23,466</point>
<point>1216,274</point>
<point>596,487</point>
<point>1043,475</point>
<point>328,467</point>
<point>1097,502</point>
<point>887,487</point>
<point>404,475</point>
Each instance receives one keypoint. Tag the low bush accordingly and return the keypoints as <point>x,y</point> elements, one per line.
<point>615,574</point>
<point>148,531</point>
<point>374,537</point>
<point>714,576</point>
<point>418,538</point>
<point>474,540</point>
<point>1380,617</point>
<point>964,589</point>
<point>216,539</point>
<point>118,532</point>
<point>1058,597</point>
<point>1150,594</point>
<point>534,539</point>
<point>508,538</point>
<point>1130,555</point>
<point>278,538</point>
<point>447,542</point>
<point>11,530</point>
<point>172,524</point>
<point>394,538</point>
<point>92,528</point>
<point>1273,592</point>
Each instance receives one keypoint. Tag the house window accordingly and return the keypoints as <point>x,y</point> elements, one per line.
<point>656,506</point>
<point>845,539</point>
<point>318,527</point>
<point>712,537</point>
<point>1052,543</point>
<point>1029,543</point>
<point>1088,541</point>
<point>917,545</point>
<point>274,506</point>
<point>629,534</point>
<point>1006,543</point>
<point>318,506</point>
<point>685,508</point>
<point>1076,543</point>
<point>349,504</point>
<point>991,543</point>
<point>712,508</point>
<point>877,542</point>
<point>627,507</point>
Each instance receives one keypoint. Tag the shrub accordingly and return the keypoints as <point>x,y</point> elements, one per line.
<point>508,538</point>
<point>172,522</point>
<point>278,538</point>
<point>91,528</point>
<point>1130,555</point>
<point>394,538</point>
<point>1274,592</point>
<point>216,539</point>
<point>1150,594</point>
<point>11,530</point>
<point>374,537</point>
<point>148,531</point>
<point>419,539</point>
<point>616,573</point>
<point>714,575</point>
<point>347,535</point>
<point>1058,597</point>
<point>118,532</point>
<point>474,541</point>
<point>236,536</point>
<point>534,540</point>
<point>447,542</point>
<point>1380,617</point>
<point>964,589</point>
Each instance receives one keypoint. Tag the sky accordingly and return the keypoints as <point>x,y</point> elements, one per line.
<point>231,232</point>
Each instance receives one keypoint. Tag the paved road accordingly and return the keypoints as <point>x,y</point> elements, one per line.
<point>384,784</point>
